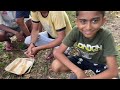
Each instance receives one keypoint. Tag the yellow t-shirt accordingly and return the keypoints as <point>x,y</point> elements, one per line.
<point>55,21</point>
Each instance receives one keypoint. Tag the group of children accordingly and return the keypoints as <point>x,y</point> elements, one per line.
<point>52,29</point>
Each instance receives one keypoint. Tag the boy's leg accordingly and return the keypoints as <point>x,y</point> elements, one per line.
<point>5,37</point>
<point>42,39</point>
<point>89,65</point>
<point>97,68</point>
<point>50,55</point>
<point>79,62</point>
<point>57,66</point>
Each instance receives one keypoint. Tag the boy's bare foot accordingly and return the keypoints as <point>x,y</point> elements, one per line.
<point>49,56</point>
<point>8,46</point>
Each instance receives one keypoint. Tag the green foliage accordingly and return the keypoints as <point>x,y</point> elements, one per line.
<point>6,56</point>
<point>71,15</point>
<point>22,46</point>
<point>1,48</point>
<point>2,64</point>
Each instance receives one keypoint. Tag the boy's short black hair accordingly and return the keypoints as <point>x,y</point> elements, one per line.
<point>102,12</point>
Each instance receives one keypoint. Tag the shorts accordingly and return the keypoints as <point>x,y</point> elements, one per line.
<point>24,14</point>
<point>43,39</point>
<point>86,64</point>
<point>16,29</point>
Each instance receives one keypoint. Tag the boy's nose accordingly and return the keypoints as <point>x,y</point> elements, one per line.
<point>88,26</point>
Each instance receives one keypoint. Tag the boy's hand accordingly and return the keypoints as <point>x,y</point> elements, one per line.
<point>28,53</point>
<point>20,37</point>
<point>34,51</point>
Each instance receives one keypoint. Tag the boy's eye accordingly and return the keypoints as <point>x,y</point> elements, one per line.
<point>96,20</point>
<point>83,21</point>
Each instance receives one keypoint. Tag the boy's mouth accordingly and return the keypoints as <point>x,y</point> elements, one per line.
<point>88,32</point>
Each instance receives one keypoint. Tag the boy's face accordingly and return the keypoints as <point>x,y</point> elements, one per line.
<point>89,22</point>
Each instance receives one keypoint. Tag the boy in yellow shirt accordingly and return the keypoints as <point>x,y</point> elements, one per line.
<point>56,26</point>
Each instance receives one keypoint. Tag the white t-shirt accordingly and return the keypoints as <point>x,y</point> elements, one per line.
<point>8,18</point>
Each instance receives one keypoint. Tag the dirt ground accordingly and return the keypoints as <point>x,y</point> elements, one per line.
<point>41,68</point>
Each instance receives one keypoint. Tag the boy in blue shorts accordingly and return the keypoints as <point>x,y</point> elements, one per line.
<point>24,22</point>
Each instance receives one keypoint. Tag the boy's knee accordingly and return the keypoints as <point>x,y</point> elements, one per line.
<point>56,65</point>
<point>55,52</point>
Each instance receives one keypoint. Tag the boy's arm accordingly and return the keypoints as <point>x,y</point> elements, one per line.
<point>7,29</point>
<point>109,73</point>
<point>59,55</point>
<point>34,37</point>
<point>54,43</point>
<point>35,31</point>
<point>23,26</point>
